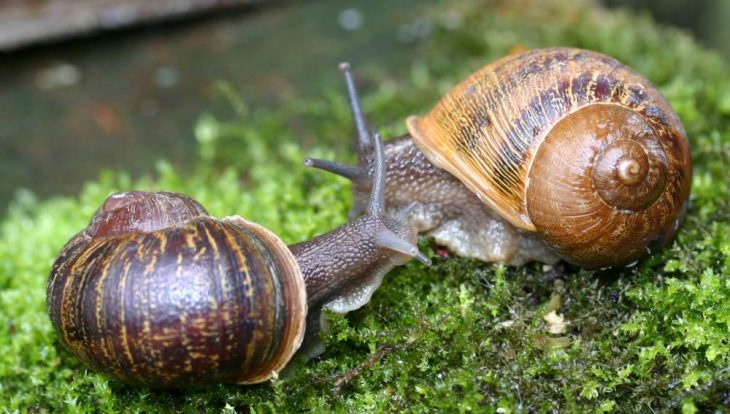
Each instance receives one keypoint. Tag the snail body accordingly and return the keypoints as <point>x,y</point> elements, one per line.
<point>566,153</point>
<point>155,292</point>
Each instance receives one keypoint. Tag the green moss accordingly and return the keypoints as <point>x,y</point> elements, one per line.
<point>461,335</point>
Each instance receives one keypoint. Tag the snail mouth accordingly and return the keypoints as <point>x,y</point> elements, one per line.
<point>629,174</point>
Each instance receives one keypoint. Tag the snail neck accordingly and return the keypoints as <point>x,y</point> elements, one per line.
<point>342,268</point>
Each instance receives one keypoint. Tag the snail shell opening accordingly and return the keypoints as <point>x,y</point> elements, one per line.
<point>600,189</point>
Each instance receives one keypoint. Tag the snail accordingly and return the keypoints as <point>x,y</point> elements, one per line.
<point>548,154</point>
<point>155,292</point>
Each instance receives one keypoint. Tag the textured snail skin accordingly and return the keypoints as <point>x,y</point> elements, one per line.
<point>574,155</point>
<point>155,292</point>
<point>451,214</point>
<point>336,264</point>
<point>342,269</point>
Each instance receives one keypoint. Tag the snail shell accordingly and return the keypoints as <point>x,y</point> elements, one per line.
<point>155,292</point>
<point>568,143</point>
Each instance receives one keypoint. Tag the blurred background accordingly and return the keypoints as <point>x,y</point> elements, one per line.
<point>87,85</point>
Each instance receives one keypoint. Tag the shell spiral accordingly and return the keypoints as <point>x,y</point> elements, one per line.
<point>568,143</point>
<point>155,292</point>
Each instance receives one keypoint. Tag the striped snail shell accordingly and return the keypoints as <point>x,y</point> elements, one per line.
<point>155,292</point>
<point>570,144</point>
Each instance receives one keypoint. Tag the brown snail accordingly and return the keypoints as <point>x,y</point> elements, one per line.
<point>549,153</point>
<point>155,292</point>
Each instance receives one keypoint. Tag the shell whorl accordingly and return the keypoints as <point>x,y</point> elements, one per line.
<point>598,189</point>
<point>139,211</point>
<point>630,170</point>
<point>196,301</point>
<point>490,131</point>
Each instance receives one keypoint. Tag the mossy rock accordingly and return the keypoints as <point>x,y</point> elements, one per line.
<point>460,335</point>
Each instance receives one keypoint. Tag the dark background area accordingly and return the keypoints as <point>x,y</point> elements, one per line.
<point>123,99</point>
<point>706,19</point>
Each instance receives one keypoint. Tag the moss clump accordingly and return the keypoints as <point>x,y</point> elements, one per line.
<point>461,335</point>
